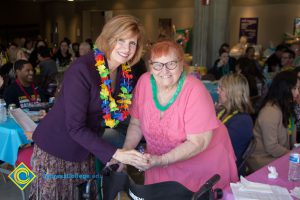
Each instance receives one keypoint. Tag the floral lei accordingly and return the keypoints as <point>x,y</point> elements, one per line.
<point>113,112</point>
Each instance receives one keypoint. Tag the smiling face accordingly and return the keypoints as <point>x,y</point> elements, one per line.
<point>25,75</point>
<point>166,63</point>
<point>166,78</point>
<point>123,50</point>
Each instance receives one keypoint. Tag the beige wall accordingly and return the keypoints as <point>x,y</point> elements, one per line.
<point>181,18</point>
<point>72,16</point>
<point>274,21</point>
<point>65,15</point>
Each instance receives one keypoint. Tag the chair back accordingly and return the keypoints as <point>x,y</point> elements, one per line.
<point>246,155</point>
<point>114,182</point>
<point>24,155</point>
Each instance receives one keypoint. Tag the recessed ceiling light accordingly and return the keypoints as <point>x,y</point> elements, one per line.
<point>70,0</point>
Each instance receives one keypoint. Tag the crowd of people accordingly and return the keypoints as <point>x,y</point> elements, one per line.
<point>271,99</point>
<point>42,76</point>
<point>112,97</point>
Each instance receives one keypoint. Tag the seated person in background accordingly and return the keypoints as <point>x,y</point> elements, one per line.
<point>226,47</point>
<point>48,70</point>
<point>235,106</point>
<point>5,70</point>
<point>274,129</point>
<point>297,108</point>
<point>295,47</point>
<point>250,53</point>
<point>33,56</point>
<point>222,65</point>
<point>274,61</point>
<point>257,85</point>
<point>238,50</point>
<point>63,57</point>
<point>176,115</point>
<point>21,55</point>
<point>28,47</point>
<point>85,48</point>
<point>23,92</point>
<point>75,50</point>
<point>287,60</point>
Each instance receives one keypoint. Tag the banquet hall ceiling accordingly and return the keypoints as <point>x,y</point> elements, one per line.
<point>235,2</point>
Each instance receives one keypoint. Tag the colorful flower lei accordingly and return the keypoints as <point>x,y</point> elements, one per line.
<point>114,112</point>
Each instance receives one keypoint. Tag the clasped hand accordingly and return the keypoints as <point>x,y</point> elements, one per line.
<point>138,160</point>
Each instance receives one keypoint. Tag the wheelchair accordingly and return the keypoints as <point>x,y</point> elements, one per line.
<point>114,182</point>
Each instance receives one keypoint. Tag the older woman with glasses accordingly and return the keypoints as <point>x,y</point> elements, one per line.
<point>175,113</point>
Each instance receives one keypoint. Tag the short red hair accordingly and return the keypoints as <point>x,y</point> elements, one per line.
<point>165,47</point>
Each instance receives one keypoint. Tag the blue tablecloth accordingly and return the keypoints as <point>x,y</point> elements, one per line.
<point>11,138</point>
<point>212,88</point>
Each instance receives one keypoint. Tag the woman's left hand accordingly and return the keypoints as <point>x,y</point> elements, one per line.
<point>153,161</point>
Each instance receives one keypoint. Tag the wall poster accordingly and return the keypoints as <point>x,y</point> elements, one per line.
<point>249,27</point>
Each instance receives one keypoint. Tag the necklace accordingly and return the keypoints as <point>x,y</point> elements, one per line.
<point>114,110</point>
<point>222,112</point>
<point>26,94</point>
<point>154,92</point>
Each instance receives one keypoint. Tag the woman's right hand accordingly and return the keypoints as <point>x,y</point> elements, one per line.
<point>131,157</point>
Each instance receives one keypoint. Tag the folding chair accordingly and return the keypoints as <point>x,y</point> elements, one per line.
<point>242,168</point>
<point>24,155</point>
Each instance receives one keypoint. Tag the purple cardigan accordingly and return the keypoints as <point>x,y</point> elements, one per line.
<point>72,129</point>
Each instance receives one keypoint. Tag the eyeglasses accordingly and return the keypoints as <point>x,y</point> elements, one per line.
<point>159,66</point>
